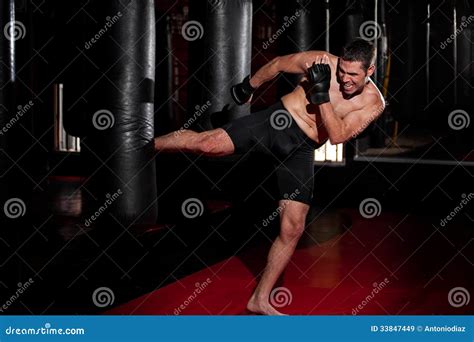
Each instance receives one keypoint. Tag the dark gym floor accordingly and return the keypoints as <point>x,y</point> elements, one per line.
<point>153,269</point>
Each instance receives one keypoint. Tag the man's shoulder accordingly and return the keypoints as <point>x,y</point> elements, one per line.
<point>373,96</point>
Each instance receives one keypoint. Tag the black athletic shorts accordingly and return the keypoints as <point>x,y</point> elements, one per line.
<point>274,132</point>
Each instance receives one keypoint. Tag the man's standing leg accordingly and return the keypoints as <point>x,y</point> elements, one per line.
<point>292,224</point>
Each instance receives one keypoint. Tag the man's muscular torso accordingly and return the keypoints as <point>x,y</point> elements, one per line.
<point>307,115</point>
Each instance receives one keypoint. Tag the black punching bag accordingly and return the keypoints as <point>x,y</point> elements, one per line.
<point>463,47</point>
<point>17,101</point>
<point>74,30</point>
<point>353,19</point>
<point>221,57</point>
<point>302,24</point>
<point>6,60</point>
<point>165,120</point>
<point>118,148</point>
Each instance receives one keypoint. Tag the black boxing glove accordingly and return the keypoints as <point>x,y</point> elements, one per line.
<point>242,92</point>
<point>319,77</point>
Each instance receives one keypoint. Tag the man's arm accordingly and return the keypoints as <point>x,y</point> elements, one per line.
<point>354,123</point>
<point>296,63</point>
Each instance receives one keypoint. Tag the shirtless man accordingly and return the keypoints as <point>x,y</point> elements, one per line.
<point>335,100</point>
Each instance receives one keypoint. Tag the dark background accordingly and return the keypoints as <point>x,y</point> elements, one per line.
<point>410,158</point>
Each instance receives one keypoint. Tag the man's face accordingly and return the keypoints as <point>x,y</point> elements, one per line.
<point>352,77</point>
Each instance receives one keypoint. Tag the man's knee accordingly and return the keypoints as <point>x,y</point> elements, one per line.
<point>293,220</point>
<point>208,144</point>
<point>292,228</point>
<point>215,142</point>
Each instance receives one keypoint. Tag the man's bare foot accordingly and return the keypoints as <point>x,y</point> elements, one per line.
<point>262,307</point>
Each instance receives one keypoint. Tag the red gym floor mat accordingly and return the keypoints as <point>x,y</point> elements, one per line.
<point>390,264</point>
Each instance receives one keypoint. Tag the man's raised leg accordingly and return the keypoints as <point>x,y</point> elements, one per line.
<point>215,143</point>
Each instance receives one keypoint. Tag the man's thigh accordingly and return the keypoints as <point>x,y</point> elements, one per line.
<point>295,176</point>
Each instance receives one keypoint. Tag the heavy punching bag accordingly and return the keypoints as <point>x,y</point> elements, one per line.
<point>463,16</point>
<point>354,19</point>
<point>118,147</point>
<point>5,86</point>
<point>5,222</point>
<point>16,144</point>
<point>221,58</point>
<point>17,100</point>
<point>165,120</point>
<point>75,29</point>
<point>302,24</point>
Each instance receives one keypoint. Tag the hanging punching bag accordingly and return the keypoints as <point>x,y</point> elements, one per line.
<point>354,19</point>
<point>16,156</point>
<point>301,22</point>
<point>165,120</point>
<point>118,148</point>
<point>5,163</point>
<point>17,100</point>
<point>463,16</point>
<point>5,86</point>
<point>221,53</point>
<point>75,30</point>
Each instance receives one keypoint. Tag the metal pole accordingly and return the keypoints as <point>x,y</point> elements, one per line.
<point>455,55</point>
<point>327,25</point>
<point>376,39</point>
<point>428,33</point>
<point>12,41</point>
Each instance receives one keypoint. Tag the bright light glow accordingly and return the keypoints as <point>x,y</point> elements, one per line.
<point>329,152</point>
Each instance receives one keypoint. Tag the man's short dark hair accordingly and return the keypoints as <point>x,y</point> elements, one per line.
<point>359,50</point>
